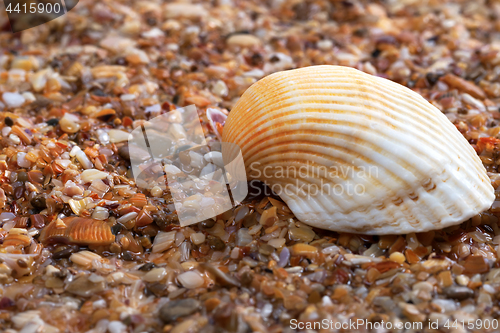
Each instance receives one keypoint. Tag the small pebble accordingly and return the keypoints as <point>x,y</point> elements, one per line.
<point>220,88</point>
<point>243,40</point>
<point>13,100</point>
<point>397,257</point>
<point>156,191</point>
<point>116,327</point>
<point>22,161</point>
<point>190,280</point>
<point>8,121</point>
<point>155,275</point>
<point>176,309</point>
<point>459,292</point>
<point>197,238</point>
<point>325,45</point>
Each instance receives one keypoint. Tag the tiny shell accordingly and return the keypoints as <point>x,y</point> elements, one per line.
<point>78,230</point>
<point>17,239</point>
<point>352,152</point>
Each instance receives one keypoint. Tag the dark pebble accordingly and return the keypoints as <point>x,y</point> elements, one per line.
<point>123,152</point>
<point>176,309</point>
<point>22,176</point>
<point>67,210</point>
<point>207,224</point>
<point>216,244</point>
<point>127,256</point>
<point>160,219</point>
<point>21,263</point>
<point>6,302</point>
<point>432,78</point>
<point>56,63</point>
<point>147,267</point>
<point>53,122</point>
<point>64,251</point>
<point>41,102</point>
<point>121,61</point>
<point>98,92</point>
<point>8,121</point>
<point>376,53</point>
<point>117,228</point>
<point>459,293</point>
<point>246,279</point>
<point>158,289</point>
<point>151,21</point>
<point>18,192</point>
<point>256,59</point>
<point>39,202</point>
<point>82,286</point>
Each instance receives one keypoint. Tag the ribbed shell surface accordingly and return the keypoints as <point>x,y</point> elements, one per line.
<point>79,230</point>
<point>352,152</point>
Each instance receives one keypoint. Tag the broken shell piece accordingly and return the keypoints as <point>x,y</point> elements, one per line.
<point>352,152</point>
<point>78,230</point>
<point>216,119</point>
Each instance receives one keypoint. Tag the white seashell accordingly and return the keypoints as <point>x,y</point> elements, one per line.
<point>352,152</point>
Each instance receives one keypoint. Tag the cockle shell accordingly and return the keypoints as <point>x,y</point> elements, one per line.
<point>77,230</point>
<point>352,152</point>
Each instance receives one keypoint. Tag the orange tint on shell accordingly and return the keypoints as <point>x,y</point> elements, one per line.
<point>78,230</point>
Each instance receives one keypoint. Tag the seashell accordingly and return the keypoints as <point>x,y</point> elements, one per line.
<point>17,239</point>
<point>77,230</point>
<point>352,152</point>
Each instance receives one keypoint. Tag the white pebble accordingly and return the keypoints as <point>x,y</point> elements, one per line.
<point>73,151</point>
<point>208,171</point>
<point>153,33</point>
<point>197,238</point>
<point>28,96</point>
<point>116,326</point>
<point>171,169</point>
<point>153,108</point>
<point>103,136</point>
<point>13,100</point>
<point>207,202</point>
<point>90,174</point>
<point>243,238</point>
<point>6,130</point>
<point>6,216</point>
<point>84,160</point>
<point>177,131</point>
<point>220,88</point>
<point>95,278</point>
<point>325,45</point>
<point>190,280</point>
<point>155,275</point>
<point>116,136</point>
<point>188,10</point>
<point>100,213</point>
<point>15,138</point>
<point>63,163</point>
<point>127,217</point>
<point>99,304</point>
<point>196,159</point>
<point>22,161</point>
<point>255,73</point>
<point>128,97</point>
<point>214,157</point>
